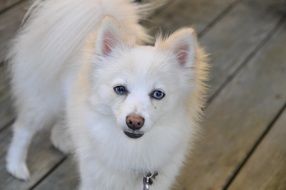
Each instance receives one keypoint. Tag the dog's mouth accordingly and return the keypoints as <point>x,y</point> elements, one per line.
<point>133,135</point>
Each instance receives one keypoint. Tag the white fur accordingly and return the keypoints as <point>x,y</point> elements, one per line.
<point>65,63</point>
<point>54,33</point>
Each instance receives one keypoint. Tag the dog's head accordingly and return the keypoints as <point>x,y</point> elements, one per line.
<point>141,86</point>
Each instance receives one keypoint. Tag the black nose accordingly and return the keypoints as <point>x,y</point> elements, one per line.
<point>134,122</point>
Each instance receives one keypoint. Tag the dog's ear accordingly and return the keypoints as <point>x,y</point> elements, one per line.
<point>108,37</point>
<point>183,44</point>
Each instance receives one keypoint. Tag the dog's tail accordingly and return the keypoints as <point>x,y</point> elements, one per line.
<point>54,30</point>
<point>33,8</point>
<point>146,8</point>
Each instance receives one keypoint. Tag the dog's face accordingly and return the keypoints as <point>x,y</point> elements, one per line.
<point>139,85</point>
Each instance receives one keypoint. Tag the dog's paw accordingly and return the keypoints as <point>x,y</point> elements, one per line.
<point>18,170</point>
<point>61,145</point>
<point>61,140</point>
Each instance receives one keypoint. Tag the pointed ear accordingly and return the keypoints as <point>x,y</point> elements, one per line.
<point>183,45</point>
<point>108,36</point>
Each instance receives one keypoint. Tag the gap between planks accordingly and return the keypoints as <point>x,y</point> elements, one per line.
<point>268,122</point>
<point>270,125</point>
<point>266,168</point>
<point>247,59</point>
<point>254,148</point>
<point>218,18</point>
<point>10,6</point>
<point>49,172</point>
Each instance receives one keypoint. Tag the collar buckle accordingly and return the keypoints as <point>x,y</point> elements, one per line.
<point>148,180</point>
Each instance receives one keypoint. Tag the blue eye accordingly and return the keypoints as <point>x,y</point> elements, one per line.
<point>120,90</point>
<point>157,94</point>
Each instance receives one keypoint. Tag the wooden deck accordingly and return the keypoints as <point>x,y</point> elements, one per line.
<point>243,139</point>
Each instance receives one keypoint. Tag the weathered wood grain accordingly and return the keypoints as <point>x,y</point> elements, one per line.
<point>63,178</point>
<point>182,13</point>
<point>4,141</point>
<point>236,37</point>
<point>238,116</point>
<point>266,168</point>
<point>42,158</point>
<point>9,24</point>
<point>5,4</point>
<point>6,111</point>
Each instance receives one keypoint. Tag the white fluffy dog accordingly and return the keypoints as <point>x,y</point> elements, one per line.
<point>124,109</point>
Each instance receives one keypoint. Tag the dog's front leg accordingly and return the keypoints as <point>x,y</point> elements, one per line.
<point>60,137</point>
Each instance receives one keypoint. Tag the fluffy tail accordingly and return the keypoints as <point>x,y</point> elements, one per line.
<point>33,8</point>
<point>55,30</point>
<point>147,8</point>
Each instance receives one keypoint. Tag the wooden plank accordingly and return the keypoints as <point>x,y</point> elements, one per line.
<point>181,13</point>
<point>238,117</point>
<point>231,41</point>
<point>4,141</point>
<point>5,4</point>
<point>63,178</point>
<point>266,169</point>
<point>6,110</point>
<point>226,54</point>
<point>9,23</point>
<point>42,158</point>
